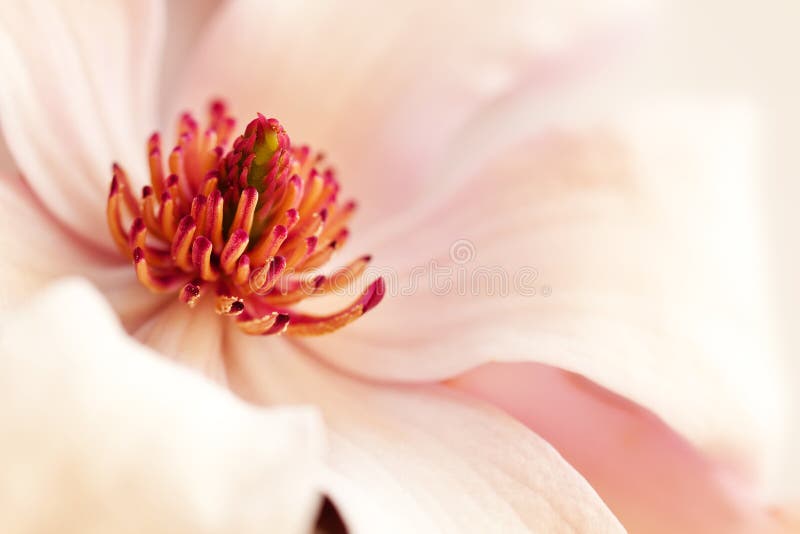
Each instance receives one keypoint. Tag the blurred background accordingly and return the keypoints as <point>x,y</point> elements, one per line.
<point>748,50</point>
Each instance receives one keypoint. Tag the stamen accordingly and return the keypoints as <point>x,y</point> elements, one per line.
<point>198,212</point>
<point>114,218</point>
<point>167,215</point>
<point>341,279</point>
<point>227,305</point>
<point>245,210</point>
<point>302,251</point>
<point>305,325</point>
<point>156,165</point>
<point>250,220</point>
<point>263,325</point>
<point>138,239</point>
<point>175,191</point>
<point>149,208</point>
<point>213,220</point>
<point>263,280</point>
<point>242,274</point>
<point>317,259</point>
<point>300,290</point>
<point>182,243</point>
<point>190,294</point>
<point>270,244</point>
<point>152,281</point>
<point>201,258</point>
<point>233,250</point>
<point>127,191</point>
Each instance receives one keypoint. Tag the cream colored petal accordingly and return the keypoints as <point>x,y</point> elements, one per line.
<point>383,88</point>
<point>421,459</point>
<point>102,435</point>
<point>78,93</point>
<point>626,254</point>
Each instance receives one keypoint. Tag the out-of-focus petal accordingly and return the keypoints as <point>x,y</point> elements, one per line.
<point>102,435</point>
<point>438,461</point>
<point>78,92</point>
<point>37,249</point>
<point>383,87</point>
<point>626,256</point>
<point>186,21</point>
<point>7,165</point>
<point>652,479</point>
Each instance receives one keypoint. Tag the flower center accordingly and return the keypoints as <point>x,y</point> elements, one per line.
<point>249,227</point>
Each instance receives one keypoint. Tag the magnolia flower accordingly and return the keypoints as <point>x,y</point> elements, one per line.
<point>613,396</point>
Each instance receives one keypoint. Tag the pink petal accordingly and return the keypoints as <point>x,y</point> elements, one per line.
<point>421,459</point>
<point>187,20</point>
<point>78,93</point>
<point>652,479</point>
<point>7,166</point>
<point>100,434</point>
<point>619,248</point>
<point>384,88</point>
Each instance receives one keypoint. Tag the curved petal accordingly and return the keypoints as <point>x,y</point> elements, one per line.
<point>652,479</point>
<point>101,435</point>
<point>194,337</point>
<point>611,253</point>
<point>78,94</point>
<point>383,88</point>
<point>187,19</point>
<point>421,459</point>
<point>37,249</point>
<point>7,166</point>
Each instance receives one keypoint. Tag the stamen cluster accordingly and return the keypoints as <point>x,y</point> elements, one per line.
<point>248,225</point>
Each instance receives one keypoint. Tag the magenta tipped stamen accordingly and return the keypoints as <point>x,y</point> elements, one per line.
<point>248,217</point>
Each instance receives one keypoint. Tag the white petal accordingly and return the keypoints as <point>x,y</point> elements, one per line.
<point>78,94</point>
<point>383,88</point>
<point>618,259</point>
<point>422,459</point>
<point>102,435</point>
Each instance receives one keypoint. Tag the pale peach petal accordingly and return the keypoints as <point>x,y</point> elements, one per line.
<point>191,336</point>
<point>652,479</point>
<point>78,93</point>
<point>383,88</point>
<point>101,434</point>
<point>7,166</point>
<point>38,249</point>
<point>186,20</point>
<point>618,260</point>
<point>421,459</point>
